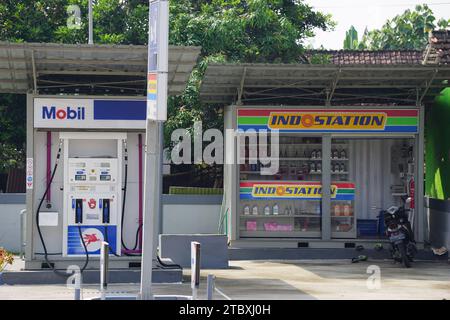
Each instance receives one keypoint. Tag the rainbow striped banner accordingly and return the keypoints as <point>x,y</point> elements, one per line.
<point>278,190</point>
<point>330,120</point>
<point>151,86</point>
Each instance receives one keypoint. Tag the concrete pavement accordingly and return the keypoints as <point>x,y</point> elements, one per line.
<point>276,279</point>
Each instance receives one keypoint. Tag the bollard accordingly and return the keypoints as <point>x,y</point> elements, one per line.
<point>22,234</point>
<point>210,286</point>
<point>195,268</point>
<point>104,273</point>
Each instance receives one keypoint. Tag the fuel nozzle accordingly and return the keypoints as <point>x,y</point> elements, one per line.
<point>106,210</point>
<point>78,210</point>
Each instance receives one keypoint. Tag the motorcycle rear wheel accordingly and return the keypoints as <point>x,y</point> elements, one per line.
<point>405,259</point>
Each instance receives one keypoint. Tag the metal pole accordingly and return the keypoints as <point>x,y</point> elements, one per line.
<point>91,23</point>
<point>152,196</point>
<point>195,268</point>
<point>156,113</point>
<point>22,234</point>
<point>210,286</point>
<point>104,265</point>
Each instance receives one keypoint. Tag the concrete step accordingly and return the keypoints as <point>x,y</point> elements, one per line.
<point>320,253</point>
<point>91,276</point>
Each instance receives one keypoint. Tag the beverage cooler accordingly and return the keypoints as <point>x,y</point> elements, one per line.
<point>335,169</point>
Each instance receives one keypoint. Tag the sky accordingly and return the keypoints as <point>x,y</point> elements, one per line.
<point>365,13</point>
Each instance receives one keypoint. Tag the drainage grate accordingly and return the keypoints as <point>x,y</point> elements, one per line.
<point>349,245</point>
<point>134,265</point>
<point>45,265</point>
<point>303,245</point>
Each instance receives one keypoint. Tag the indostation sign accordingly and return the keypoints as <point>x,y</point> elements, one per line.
<point>270,190</point>
<point>330,120</point>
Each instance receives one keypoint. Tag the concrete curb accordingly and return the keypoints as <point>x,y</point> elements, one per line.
<point>91,277</point>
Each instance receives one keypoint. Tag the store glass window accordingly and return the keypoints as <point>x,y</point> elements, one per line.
<point>286,203</point>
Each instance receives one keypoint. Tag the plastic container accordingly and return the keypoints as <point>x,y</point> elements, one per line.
<point>367,227</point>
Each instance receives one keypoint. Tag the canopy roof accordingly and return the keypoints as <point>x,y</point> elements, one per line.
<point>319,84</point>
<point>87,69</point>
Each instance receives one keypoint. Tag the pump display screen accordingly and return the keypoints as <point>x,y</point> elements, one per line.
<point>80,177</point>
<point>105,177</point>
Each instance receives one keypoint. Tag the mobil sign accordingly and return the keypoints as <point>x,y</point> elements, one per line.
<point>89,113</point>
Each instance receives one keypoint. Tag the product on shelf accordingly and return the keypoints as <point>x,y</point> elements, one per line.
<point>334,154</point>
<point>343,154</point>
<point>342,167</point>
<point>255,210</point>
<point>251,225</point>
<point>267,210</point>
<point>335,167</point>
<point>246,210</point>
<point>348,210</point>
<point>275,209</point>
<point>274,226</point>
<point>337,210</point>
<point>319,167</point>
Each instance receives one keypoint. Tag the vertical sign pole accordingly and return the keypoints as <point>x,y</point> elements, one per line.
<point>158,54</point>
<point>91,23</point>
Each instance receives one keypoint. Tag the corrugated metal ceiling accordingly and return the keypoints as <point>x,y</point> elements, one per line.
<point>93,69</point>
<point>315,83</point>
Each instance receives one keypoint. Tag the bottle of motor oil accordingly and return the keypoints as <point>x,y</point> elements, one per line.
<point>267,210</point>
<point>275,209</point>
<point>319,167</point>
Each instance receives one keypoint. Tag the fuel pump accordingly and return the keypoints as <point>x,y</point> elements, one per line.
<point>92,197</point>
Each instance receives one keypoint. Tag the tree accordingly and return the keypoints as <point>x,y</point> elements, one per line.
<point>407,31</point>
<point>351,39</point>
<point>227,31</point>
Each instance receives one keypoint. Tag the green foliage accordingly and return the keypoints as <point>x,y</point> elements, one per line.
<point>351,39</point>
<point>12,132</point>
<point>227,31</point>
<point>235,31</point>
<point>320,58</point>
<point>408,30</point>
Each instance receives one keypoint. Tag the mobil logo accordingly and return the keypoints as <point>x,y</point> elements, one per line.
<point>63,113</point>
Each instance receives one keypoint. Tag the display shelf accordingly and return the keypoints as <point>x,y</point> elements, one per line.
<point>260,216</point>
<point>303,173</point>
<point>338,217</point>
<point>295,159</point>
<point>279,234</point>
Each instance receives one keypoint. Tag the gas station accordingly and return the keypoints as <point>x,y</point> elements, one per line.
<point>86,120</point>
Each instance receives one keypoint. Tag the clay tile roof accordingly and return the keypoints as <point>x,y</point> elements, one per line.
<point>438,49</point>
<point>382,57</point>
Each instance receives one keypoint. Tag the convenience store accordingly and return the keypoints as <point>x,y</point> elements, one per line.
<point>350,144</point>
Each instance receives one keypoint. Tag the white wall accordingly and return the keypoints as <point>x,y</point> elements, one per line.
<point>10,226</point>
<point>191,218</point>
<point>182,214</point>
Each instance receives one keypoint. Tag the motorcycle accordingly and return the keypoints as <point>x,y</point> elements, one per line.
<point>400,234</point>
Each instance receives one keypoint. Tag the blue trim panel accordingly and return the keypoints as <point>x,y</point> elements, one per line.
<point>120,110</point>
